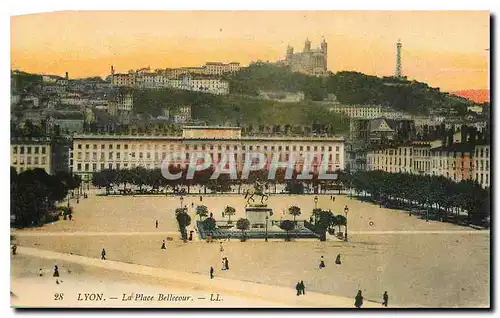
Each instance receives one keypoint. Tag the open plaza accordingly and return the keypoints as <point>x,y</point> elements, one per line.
<point>419,263</point>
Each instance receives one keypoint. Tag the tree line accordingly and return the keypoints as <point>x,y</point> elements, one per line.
<point>34,193</point>
<point>427,192</point>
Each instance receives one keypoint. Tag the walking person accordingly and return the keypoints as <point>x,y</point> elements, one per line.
<point>163,245</point>
<point>56,271</point>
<point>14,249</point>
<point>302,287</point>
<point>211,272</point>
<point>103,254</point>
<point>322,263</point>
<point>221,249</point>
<point>227,264</point>
<point>358,302</point>
<point>223,263</point>
<point>297,287</point>
<point>385,297</point>
<point>337,260</point>
<point>70,216</point>
<point>156,223</point>
<point>40,272</point>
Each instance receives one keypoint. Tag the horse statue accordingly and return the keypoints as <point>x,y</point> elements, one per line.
<point>257,190</point>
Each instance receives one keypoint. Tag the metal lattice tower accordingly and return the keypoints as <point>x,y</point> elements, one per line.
<point>398,59</point>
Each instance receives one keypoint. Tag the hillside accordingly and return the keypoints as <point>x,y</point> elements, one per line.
<point>237,110</point>
<point>349,88</point>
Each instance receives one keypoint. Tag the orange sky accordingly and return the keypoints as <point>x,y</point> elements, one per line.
<point>443,48</point>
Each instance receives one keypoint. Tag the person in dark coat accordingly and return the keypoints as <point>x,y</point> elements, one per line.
<point>191,235</point>
<point>385,297</point>
<point>358,302</point>
<point>103,254</point>
<point>223,263</point>
<point>211,272</point>
<point>337,260</point>
<point>56,271</point>
<point>302,287</point>
<point>14,249</point>
<point>70,216</point>
<point>322,263</point>
<point>163,245</point>
<point>156,223</point>
<point>297,287</point>
<point>226,263</point>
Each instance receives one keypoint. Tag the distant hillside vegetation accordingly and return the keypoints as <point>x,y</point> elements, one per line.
<point>236,110</point>
<point>349,87</point>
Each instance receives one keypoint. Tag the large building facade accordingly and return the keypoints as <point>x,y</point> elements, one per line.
<point>52,155</point>
<point>93,153</point>
<point>457,162</point>
<point>309,61</point>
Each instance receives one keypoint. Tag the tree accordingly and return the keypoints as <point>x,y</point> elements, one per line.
<point>243,225</point>
<point>184,220</point>
<point>340,220</point>
<point>288,226</point>
<point>209,225</point>
<point>295,211</point>
<point>201,211</point>
<point>229,211</point>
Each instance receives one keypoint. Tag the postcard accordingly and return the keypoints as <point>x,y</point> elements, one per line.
<point>250,159</point>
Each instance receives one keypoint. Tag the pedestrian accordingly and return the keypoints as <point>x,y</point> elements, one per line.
<point>227,264</point>
<point>40,273</point>
<point>221,249</point>
<point>211,272</point>
<point>191,235</point>
<point>358,300</point>
<point>14,249</point>
<point>311,219</point>
<point>333,198</point>
<point>201,198</point>
<point>163,245</point>
<point>297,287</point>
<point>223,263</point>
<point>156,223</point>
<point>103,254</point>
<point>322,263</point>
<point>70,216</point>
<point>192,204</point>
<point>56,271</point>
<point>385,297</point>
<point>302,287</point>
<point>337,260</point>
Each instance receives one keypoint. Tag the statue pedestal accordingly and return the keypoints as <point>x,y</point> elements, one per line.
<point>257,215</point>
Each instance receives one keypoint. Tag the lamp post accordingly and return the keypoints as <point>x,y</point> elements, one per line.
<point>315,207</point>
<point>346,210</point>
<point>267,219</point>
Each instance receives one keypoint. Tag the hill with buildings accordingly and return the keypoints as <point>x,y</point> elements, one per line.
<point>236,110</point>
<point>348,87</point>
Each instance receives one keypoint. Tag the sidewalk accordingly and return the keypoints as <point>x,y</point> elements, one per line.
<point>248,290</point>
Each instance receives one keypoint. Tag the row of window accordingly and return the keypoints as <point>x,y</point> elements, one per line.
<point>211,147</point>
<point>164,154</point>
<point>29,149</point>
<point>482,152</point>
<point>36,160</point>
<point>118,166</point>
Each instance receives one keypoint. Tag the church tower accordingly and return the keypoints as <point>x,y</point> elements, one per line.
<point>307,46</point>
<point>324,50</point>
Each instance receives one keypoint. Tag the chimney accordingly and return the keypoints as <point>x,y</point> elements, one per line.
<point>67,76</point>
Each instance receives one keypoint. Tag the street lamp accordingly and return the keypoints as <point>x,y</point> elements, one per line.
<point>315,207</point>
<point>267,219</point>
<point>346,210</point>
